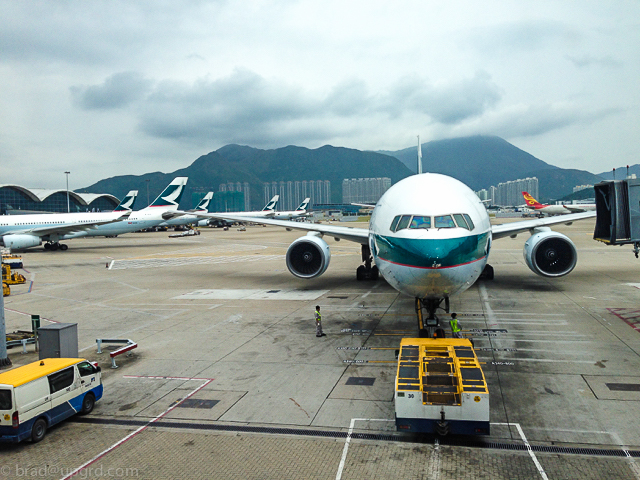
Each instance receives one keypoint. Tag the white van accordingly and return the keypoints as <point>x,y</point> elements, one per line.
<point>38,395</point>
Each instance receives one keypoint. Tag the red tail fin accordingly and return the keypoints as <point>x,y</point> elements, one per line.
<point>531,202</point>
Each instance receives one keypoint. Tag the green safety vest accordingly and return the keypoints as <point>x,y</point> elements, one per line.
<point>454,325</point>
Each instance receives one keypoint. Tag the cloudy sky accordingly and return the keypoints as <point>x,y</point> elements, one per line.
<point>103,88</point>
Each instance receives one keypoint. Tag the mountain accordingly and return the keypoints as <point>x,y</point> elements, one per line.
<point>484,161</point>
<point>236,163</point>
<point>621,172</point>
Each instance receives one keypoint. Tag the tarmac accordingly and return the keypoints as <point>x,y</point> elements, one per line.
<point>229,380</point>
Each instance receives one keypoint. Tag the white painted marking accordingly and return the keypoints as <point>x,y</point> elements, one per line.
<point>635,285</point>
<point>182,261</point>
<point>348,440</point>
<point>252,294</point>
<point>132,434</point>
<point>632,463</point>
<point>526,443</point>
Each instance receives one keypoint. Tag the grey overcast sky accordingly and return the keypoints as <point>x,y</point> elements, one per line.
<point>105,88</point>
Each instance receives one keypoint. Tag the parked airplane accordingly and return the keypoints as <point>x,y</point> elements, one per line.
<point>532,203</point>
<point>127,202</point>
<point>299,212</point>
<point>268,211</point>
<point>192,215</point>
<point>25,231</point>
<point>430,237</point>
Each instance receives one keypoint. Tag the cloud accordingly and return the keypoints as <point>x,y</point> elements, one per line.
<point>583,61</point>
<point>119,90</point>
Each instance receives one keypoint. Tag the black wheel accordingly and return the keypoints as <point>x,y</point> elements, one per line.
<point>63,247</point>
<point>54,246</point>
<point>360,273</point>
<point>47,246</point>
<point>375,273</point>
<point>38,430</point>
<point>87,404</point>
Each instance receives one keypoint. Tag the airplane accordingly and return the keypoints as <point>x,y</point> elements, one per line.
<point>268,211</point>
<point>192,215</point>
<point>532,203</point>
<point>25,231</point>
<point>299,212</point>
<point>127,202</point>
<point>430,237</point>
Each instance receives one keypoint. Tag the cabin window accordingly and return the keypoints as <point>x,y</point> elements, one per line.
<point>444,221</point>
<point>61,380</point>
<point>419,221</point>
<point>469,221</point>
<point>404,222</point>
<point>462,223</point>
<point>5,400</point>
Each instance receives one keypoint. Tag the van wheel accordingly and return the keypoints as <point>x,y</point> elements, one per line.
<point>87,404</point>
<point>38,430</point>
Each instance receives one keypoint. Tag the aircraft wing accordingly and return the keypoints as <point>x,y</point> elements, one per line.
<point>71,228</point>
<point>514,228</point>
<point>358,235</point>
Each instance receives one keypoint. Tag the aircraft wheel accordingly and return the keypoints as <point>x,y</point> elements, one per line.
<point>360,273</point>
<point>47,246</point>
<point>375,273</point>
<point>54,246</point>
<point>63,247</point>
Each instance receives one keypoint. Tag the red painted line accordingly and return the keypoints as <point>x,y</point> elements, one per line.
<point>619,312</point>
<point>28,314</point>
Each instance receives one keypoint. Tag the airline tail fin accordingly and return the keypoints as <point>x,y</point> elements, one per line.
<point>531,202</point>
<point>203,206</point>
<point>170,198</point>
<point>303,206</point>
<point>127,202</point>
<point>271,206</point>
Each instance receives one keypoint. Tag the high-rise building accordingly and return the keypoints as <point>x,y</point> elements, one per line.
<point>364,190</point>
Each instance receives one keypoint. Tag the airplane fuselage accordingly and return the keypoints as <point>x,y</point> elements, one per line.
<point>430,236</point>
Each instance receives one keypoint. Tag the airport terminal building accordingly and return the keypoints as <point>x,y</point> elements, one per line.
<point>16,200</point>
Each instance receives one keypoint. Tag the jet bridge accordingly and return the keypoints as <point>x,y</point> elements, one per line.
<point>618,213</point>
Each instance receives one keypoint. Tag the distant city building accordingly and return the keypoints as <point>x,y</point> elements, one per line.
<point>292,193</point>
<point>510,193</point>
<point>364,190</point>
<point>243,188</point>
<point>15,199</point>
<point>581,187</point>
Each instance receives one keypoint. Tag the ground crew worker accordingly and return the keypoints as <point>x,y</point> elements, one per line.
<point>455,326</point>
<point>319,332</point>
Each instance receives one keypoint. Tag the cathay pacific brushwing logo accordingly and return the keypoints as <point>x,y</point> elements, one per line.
<point>170,196</point>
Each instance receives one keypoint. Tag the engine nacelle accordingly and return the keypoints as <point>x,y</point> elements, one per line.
<point>550,254</point>
<point>308,257</point>
<point>19,242</point>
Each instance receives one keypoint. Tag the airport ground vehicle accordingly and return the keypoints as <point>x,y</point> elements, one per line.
<point>11,278</point>
<point>440,388</point>
<point>40,394</point>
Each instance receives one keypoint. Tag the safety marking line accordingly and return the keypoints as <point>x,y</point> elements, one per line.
<point>28,315</point>
<point>632,463</point>
<point>631,316</point>
<point>143,427</point>
<point>348,441</point>
<point>526,443</point>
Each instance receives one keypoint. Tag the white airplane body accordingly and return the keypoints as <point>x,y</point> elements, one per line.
<point>192,216</point>
<point>536,206</point>
<point>25,231</point>
<point>430,238</point>
<point>299,212</point>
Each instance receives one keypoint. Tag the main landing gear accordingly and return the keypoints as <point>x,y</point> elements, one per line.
<point>428,321</point>
<point>367,271</point>
<point>55,246</point>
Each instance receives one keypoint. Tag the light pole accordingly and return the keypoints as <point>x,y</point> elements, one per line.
<point>68,209</point>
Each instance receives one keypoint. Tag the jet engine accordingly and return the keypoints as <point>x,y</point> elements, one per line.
<point>550,254</point>
<point>308,256</point>
<point>19,242</point>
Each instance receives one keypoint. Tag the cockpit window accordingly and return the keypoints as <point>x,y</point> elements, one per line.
<point>394,224</point>
<point>420,222</point>
<point>469,221</point>
<point>404,222</point>
<point>444,221</point>
<point>461,221</point>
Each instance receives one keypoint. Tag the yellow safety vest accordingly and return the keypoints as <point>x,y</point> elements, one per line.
<point>454,325</point>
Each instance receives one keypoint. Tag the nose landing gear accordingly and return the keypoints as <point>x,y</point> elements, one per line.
<point>367,271</point>
<point>428,321</point>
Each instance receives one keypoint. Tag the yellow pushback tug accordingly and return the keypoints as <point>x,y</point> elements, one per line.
<point>440,388</point>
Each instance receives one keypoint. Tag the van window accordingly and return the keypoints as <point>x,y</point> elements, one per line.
<point>61,380</point>
<point>5,400</point>
<point>85,368</point>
